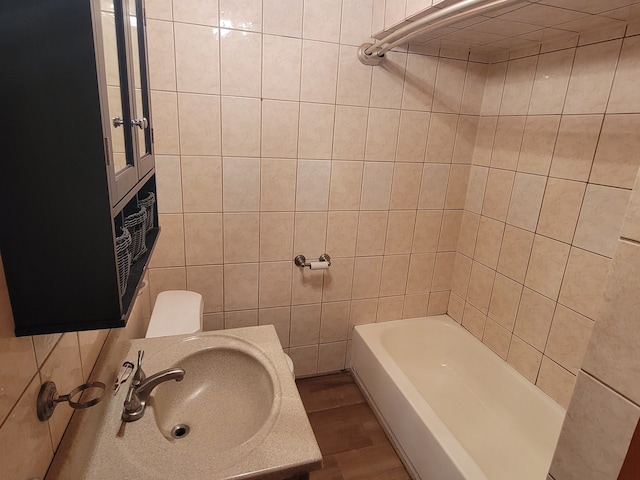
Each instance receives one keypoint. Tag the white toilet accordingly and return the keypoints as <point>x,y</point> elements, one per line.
<point>180,312</point>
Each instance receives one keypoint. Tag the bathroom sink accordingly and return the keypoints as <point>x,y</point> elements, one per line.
<point>236,414</point>
<point>217,409</point>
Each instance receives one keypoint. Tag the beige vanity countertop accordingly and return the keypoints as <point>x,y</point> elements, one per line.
<point>91,449</point>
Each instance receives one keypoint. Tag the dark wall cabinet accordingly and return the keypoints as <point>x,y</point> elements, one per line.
<point>76,142</point>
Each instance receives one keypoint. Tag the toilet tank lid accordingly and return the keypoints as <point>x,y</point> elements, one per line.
<point>176,312</point>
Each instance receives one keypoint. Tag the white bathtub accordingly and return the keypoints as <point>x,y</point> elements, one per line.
<point>454,409</point>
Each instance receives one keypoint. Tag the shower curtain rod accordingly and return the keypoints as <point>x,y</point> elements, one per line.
<point>373,53</point>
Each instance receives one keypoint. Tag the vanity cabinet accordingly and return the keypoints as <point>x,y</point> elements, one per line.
<point>76,142</point>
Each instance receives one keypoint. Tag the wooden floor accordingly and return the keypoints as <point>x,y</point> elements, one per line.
<point>352,442</point>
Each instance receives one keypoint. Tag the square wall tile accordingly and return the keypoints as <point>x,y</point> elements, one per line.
<point>240,62</point>
<point>457,186</point>
<point>197,57</point>
<point>433,188</point>
<point>346,184</point>
<point>551,81</point>
<point>497,194</point>
<point>306,286</point>
<point>354,79</point>
<point>624,94</point>
<point>165,122</point>
<point>450,231</point>
<point>406,186</point>
<point>496,338</point>
<point>283,18</point>
<point>334,321</point>
<point>350,131</point>
<point>241,122</point>
<point>279,129</point>
<point>203,238</point>
<point>438,303</point>
<point>466,135</point>
<point>427,231</point>
<point>505,299</point>
<point>474,88</point>
<point>420,273</point>
<point>538,142</point>
<point>524,358</point>
<point>321,20</point>
<point>241,237</point>
<point>631,225</point>
<point>395,269</point>
<point>376,186</point>
<point>400,228</point>
<point>515,252</point>
<point>590,81</point>
<point>483,147</point>
<point>201,184</point>
<point>366,277</point>
<point>195,11</point>
<point>475,191</point>
<point>460,275</point>
<point>480,286</point>
<point>342,230</point>
<point>616,162</point>
<point>169,249</point>
<point>419,82</point>
<point>560,209</point>
<point>281,63</point>
<point>319,71</point>
<point>596,432</point>
<point>241,319</point>
<point>305,325</point>
<point>161,279</point>
<point>331,357</point>
<point>601,218</point>
<point>416,306</point>
<point>305,360</point>
<point>315,136</point>
<point>356,22</point>
<point>241,286</point>
<point>312,192</point>
<point>474,321</point>
<point>518,86</point>
<point>442,275</point>
<point>493,89</point>
<point>441,138</point>
<point>161,54</point>
<point>386,90</point>
<point>244,15</point>
<point>207,280</point>
<point>241,192</point>
<point>168,184</point>
<point>568,338</point>
<point>489,240</point>
<point>534,318</point>
<point>526,200</point>
<point>506,146</point>
<point>277,185</point>
<point>546,266</point>
<point>412,136</point>
<point>555,381</point>
<point>338,280</point>
<point>310,233</point>
<point>199,120</point>
<point>275,284</point>
<point>468,234</point>
<point>449,85</point>
<point>382,135</point>
<point>372,229</point>
<point>276,236</point>
<point>576,146</point>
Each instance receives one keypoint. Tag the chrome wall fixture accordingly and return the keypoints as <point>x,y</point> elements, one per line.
<point>373,53</point>
<point>48,398</point>
<point>323,262</point>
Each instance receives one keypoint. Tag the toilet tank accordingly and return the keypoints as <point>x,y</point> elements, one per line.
<point>176,312</point>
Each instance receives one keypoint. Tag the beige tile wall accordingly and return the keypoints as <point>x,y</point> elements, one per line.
<point>27,445</point>
<point>272,140</point>
<point>553,168</point>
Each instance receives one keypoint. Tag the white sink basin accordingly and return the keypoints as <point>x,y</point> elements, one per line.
<point>236,414</point>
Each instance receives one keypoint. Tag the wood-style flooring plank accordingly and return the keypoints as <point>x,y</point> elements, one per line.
<point>353,444</point>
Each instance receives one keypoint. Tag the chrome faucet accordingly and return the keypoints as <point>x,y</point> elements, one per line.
<point>141,387</point>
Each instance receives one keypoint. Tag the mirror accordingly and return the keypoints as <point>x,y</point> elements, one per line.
<point>114,79</point>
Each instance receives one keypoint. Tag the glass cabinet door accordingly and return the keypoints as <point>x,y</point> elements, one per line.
<point>125,94</point>
<point>140,87</point>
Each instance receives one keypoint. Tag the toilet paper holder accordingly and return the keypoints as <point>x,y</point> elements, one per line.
<point>323,262</point>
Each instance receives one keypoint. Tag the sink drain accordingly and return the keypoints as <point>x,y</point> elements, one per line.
<point>180,431</point>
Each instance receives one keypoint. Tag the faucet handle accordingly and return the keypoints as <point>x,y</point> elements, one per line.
<point>139,376</point>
